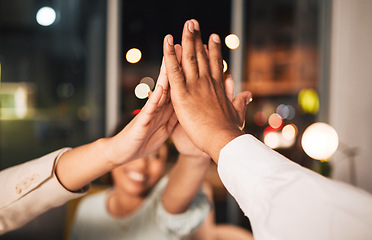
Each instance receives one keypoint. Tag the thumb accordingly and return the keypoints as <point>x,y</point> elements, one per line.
<point>240,103</point>
<point>229,88</point>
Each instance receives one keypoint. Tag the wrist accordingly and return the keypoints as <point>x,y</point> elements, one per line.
<point>194,162</point>
<point>199,157</point>
<point>218,140</point>
<point>111,152</point>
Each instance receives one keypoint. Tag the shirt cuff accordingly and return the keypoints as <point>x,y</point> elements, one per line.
<point>82,190</point>
<point>242,165</point>
<point>31,189</point>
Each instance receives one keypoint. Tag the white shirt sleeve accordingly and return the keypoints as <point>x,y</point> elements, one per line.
<point>286,201</point>
<point>29,189</point>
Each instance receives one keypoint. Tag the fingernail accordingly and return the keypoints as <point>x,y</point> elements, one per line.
<point>190,26</point>
<point>170,40</point>
<point>216,38</point>
<point>196,25</point>
<point>248,100</point>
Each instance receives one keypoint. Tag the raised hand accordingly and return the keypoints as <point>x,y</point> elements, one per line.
<point>143,135</point>
<point>206,114</point>
<point>150,128</point>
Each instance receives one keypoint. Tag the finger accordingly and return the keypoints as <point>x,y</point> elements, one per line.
<point>162,78</point>
<point>206,50</point>
<point>215,57</point>
<point>189,61</point>
<point>178,49</point>
<point>240,103</point>
<point>201,55</point>
<point>229,88</point>
<point>152,103</point>
<point>175,74</point>
<point>163,81</point>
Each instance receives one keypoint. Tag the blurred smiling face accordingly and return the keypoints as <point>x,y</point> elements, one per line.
<point>139,176</point>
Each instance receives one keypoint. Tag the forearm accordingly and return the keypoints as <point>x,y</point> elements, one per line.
<point>24,185</point>
<point>185,180</point>
<point>275,192</point>
<point>79,166</point>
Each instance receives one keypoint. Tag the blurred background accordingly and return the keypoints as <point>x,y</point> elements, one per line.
<point>69,71</point>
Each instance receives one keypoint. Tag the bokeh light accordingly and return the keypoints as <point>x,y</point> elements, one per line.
<point>309,101</point>
<point>286,111</point>
<point>275,121</point>
<point>260,118</point>
<point>133,55</point>
<point>46,16</point>
<point>268,109</point>
<point>272,139</point>
<point>289,131</point>
<point>232,41</point>
<point>149,81</point>
<point>320,141</point>
<point>20,102</point>
<point>142,90</point>
<point>224,65</point>
<point>84,113</point>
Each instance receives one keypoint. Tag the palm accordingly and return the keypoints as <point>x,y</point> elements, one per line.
<point>152,130</point>
<point>183,143</point>
<point>147,131</point>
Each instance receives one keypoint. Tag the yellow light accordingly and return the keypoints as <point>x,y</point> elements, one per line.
<point>133,55</point>
<point>320,141</point>
<point>232,41</point>
<point>309,101</point>
<point>20,102</point>
<point>224,65</point>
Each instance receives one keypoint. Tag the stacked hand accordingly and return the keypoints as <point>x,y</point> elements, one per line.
<point>149,129</point>
<point>209,117</point>
<point>208,114</point>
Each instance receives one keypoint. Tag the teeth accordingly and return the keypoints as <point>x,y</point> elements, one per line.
<point>136,176</point>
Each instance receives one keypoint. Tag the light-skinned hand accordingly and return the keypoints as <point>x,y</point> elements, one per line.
<point>150,128</point>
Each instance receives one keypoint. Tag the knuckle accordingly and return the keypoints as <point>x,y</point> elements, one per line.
<point>171,52</point>
<point>190,57</point>
<point>189,37</point>
<point>218,62</point>
<point>176,68</point>
<point>202,52</point>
